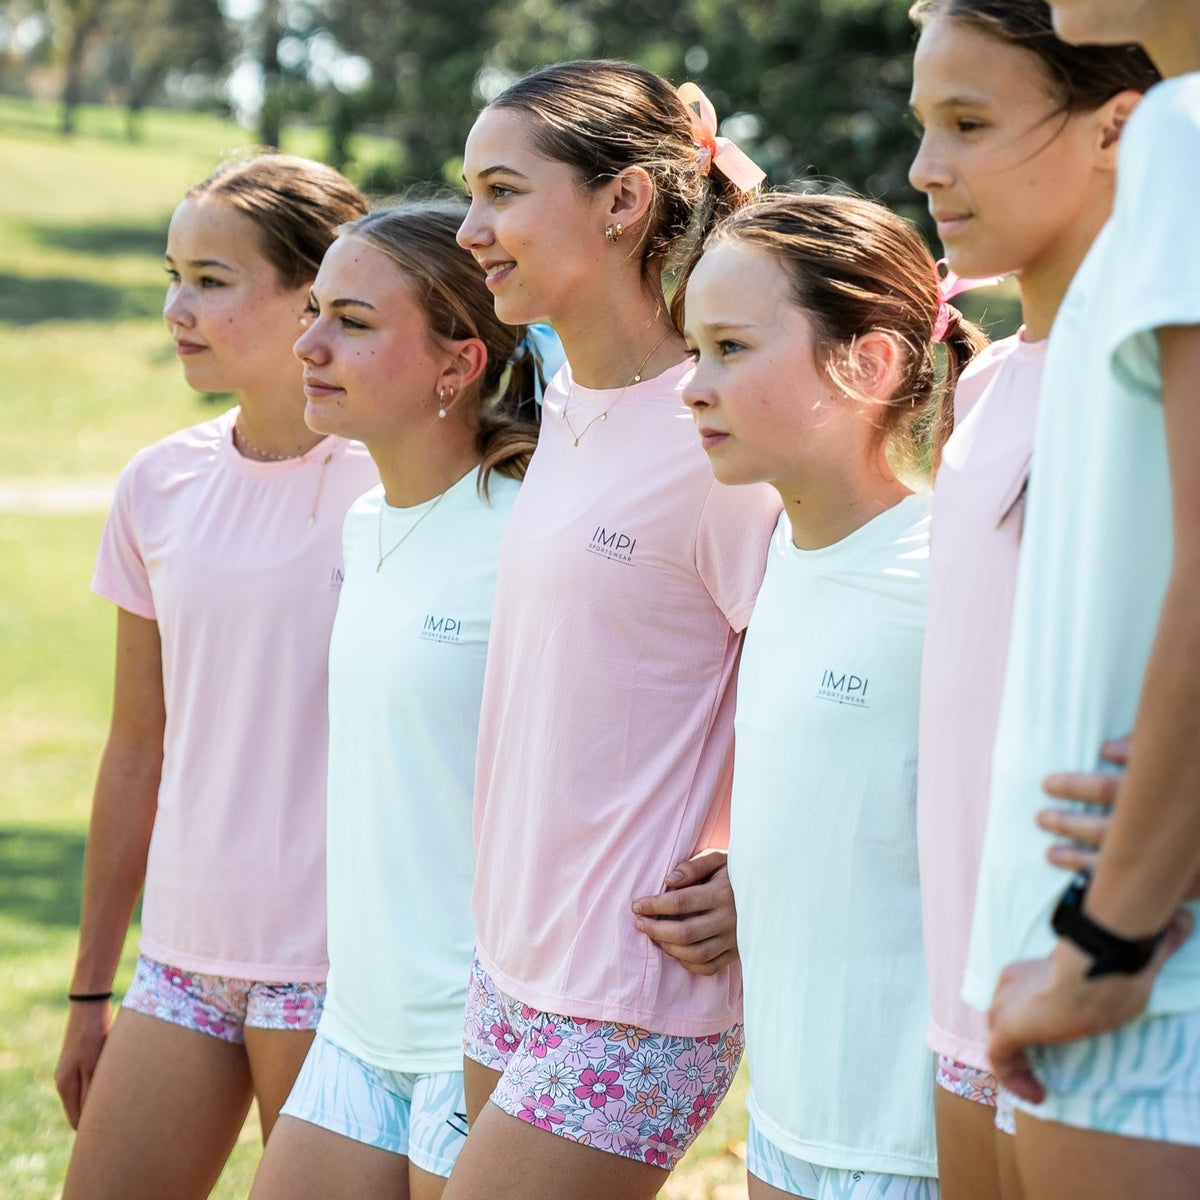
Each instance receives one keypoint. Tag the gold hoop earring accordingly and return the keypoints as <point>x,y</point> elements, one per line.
<point>613,233</point>
<point>445,399</point>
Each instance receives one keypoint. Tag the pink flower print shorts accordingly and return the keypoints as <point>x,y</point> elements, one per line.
<point>220,1006</point>
<point>641,1095</point>
<point>982,1087</point>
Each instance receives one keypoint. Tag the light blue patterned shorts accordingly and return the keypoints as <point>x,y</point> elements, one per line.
<point>422,1116</point>
<point>797,1177</point>
<point>1142,1080</point>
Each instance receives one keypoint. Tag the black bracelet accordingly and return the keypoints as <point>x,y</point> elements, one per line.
<point>88,997</point>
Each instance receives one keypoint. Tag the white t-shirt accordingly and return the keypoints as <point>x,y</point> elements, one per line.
<point>1097,548</point>
<point>823,849</point>
<point>239,562</point>
<point>405,683</point>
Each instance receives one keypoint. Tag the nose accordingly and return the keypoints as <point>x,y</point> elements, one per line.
<point>310,345</point>
<point>176,307</point>
<point>929,169</point>
<point>697,395</point>
<point>472,232</point>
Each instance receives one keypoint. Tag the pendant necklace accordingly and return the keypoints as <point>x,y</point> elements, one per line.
<point>405,536</point>
<point>603,416</point>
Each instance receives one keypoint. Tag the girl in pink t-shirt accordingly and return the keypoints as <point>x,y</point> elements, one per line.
<point>626,578</point>
<point>1018,159</point>
<point>223,555</point>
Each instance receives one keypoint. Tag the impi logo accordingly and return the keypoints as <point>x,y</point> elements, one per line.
<point>441,629</point>
<point>844,688</point>
<point>617,546</point>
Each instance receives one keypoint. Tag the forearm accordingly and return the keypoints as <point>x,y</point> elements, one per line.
<point>115,863</point>
<point>1152,850</point>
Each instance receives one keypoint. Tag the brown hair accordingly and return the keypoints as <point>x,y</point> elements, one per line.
<point>604,115</point>
<point>855,267</point>
<point>1082,78</point>
<point>420,237</point>
<point>296,204</point>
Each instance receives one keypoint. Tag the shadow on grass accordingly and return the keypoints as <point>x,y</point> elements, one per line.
<point>41,876</point>
<point>104,239</point>
<point>26,301</point>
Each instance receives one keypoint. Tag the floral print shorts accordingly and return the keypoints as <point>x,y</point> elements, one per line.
<point>220,1006</point>
<point>641,1095</point>
<point>982,1087</point>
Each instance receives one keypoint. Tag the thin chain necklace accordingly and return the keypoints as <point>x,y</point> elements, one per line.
<point>407,533</point>
<point>257,451</point>
<point>603,416</point>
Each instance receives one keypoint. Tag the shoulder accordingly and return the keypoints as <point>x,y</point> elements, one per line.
<point>1162,138</point>
<point>178,452</point>
<point>981,374</point>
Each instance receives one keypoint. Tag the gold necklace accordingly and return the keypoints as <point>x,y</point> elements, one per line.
<point>411,529</point>
<point>257,451</point>
<point>637,378</point>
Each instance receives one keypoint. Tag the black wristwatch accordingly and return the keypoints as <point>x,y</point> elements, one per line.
<point>1111,954</point>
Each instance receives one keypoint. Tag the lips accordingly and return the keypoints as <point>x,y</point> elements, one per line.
<point>186,349</point>
<point>949,223</point>
<point>317,388</point>
<point>709,438</point>
<point>497,272</point>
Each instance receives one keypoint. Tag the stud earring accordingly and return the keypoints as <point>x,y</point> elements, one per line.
<point>613,232</point>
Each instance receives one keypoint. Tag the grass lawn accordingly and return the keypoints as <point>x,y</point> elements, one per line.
<point>90,377</point>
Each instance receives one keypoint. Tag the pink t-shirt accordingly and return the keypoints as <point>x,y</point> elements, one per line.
<point>626,577</point>
<point>239,562</point>
<point>978,504</point>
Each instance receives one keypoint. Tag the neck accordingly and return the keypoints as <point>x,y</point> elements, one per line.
<point>273,421</point>
<point>1044,285</point>
<point>414,470</point>
<point>610,340</point>
<point>825,510</point>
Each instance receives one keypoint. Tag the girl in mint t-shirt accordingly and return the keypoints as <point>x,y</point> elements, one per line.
<point>222,553</point>
<point>814,320</point>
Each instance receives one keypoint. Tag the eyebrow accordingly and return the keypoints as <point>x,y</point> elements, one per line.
<point>498,169</point>
<point>968,101</point>
<point>344,302</point>
<point>203,262</point>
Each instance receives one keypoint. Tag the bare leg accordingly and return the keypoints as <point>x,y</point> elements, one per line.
<point>163,1112</point>
<point>966,1144</point>
<point>506,1159</point>
<point>479,1082</point>
<point>305,1162</point>
<point>1060,1162</point>
<point>275,1057</point>
<point>1006,1163</point>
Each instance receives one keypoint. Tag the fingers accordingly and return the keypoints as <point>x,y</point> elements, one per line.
<point>696,869</point>
<point>1090,787</point>
<point>1088,828</point>
<point>715,893</point>
<point>669,932</point>
<point>1015,1073</point>
<point>1116,751</point>
<point>69,1083</point>
<point>699,955</point>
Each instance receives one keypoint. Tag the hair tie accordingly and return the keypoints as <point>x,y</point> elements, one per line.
<point>949,285</point>
<point>713,151</point>
<point>542,344</point>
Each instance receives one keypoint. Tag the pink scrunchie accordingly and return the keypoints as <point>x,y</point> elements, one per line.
<point>950,285</point>
<point>713,151</point>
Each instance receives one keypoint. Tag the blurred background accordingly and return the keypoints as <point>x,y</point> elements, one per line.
<point>109,110</point>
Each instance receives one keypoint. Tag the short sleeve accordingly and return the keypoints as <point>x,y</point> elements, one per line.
<point>121,574</point>
<point>1154,275</point>
<point>732,540</point>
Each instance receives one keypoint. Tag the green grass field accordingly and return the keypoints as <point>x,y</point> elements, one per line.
<point>89,377</point>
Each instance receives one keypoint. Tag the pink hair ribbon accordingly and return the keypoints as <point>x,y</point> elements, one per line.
<point>713,151</point>
<point>949,285</point>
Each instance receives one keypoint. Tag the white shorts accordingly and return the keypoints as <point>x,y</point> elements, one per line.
<point>1141,1081</point>
<point>422,1116</point>
<point>797,1177</point>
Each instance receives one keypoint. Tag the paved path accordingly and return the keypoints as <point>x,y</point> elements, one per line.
<point>83,494</point>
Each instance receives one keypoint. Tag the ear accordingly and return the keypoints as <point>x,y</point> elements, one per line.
<point>630,197</point>
<point>875,360</point>
<point>1111,117</point>
<point>468,361</point>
